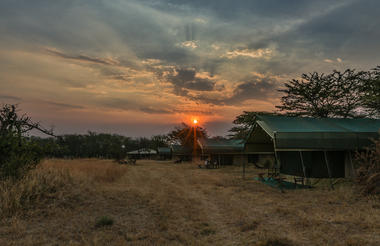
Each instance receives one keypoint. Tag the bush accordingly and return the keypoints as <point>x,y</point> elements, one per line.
<point>103,221</point>
<point>368,171</point>
<point>18,153</point>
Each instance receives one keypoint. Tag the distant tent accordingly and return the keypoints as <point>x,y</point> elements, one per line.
<point>181,152</point>
<point>224,151</point>
<point>142,153</point>
<point>164,153</point>
<point>311,147</point>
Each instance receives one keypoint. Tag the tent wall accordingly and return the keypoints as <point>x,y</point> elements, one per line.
<point>229,159</point>
<point>314,162</point>
<point>240,159</point>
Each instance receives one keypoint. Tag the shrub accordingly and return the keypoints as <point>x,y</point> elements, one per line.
<point>103,221</point>
<point>368,171</point>
<point>18,153</point>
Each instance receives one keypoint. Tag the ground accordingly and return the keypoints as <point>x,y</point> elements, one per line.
<point>162,203</point>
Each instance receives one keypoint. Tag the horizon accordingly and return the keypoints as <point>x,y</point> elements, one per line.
<point>139,68</point>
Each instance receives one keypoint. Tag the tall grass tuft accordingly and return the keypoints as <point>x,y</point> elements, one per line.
<point>40,187</point>
<point>368,171</point>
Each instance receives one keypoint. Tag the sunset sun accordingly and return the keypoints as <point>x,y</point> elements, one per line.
<point>195,121</point>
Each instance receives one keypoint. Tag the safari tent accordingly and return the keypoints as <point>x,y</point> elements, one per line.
<point>223,151</point>
<point>180,152</point>
<point>142,154</point>
<point>311,147</point>
<point>164,153</point>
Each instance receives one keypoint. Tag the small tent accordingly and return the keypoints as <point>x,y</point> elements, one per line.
<point>164,153</point>
<point>223,151</point>
<point>142,154</point>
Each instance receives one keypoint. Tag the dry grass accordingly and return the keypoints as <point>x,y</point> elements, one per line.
<point>161,203</point>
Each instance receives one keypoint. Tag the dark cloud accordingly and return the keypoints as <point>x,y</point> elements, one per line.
<point>9,97</point>
<point>253,88</point>
<point>151,110</point>
<point>83,58</point>
<point>135,105</point>
<point>62,105</point>
<point>232,10</point>
<point>187,79</point>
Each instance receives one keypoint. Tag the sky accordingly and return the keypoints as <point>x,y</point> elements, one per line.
<point>141,67</point>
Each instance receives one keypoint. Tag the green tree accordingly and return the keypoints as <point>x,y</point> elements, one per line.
<point>326,95</point>
<point>371,93</point>
<point>159,141</point>
<point>187,136</point>
<point>244,123</point>
<point>18,152</point>
<point>347,94</point>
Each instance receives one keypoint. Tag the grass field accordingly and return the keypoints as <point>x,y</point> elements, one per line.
<point>98,202</point>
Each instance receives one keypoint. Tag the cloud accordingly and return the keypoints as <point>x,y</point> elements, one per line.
<point>9,97</point>
<point>62,105</point>
<point>339,60</point>
<point>260,53</point>
<point>255,87</point>
<point>83,58</point>
<point>152,110</point>
<point>189,44</point>
<point>188,79</point>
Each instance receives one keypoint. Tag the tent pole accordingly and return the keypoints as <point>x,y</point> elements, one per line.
<point>243,169</point>
<point>352,164</point>
<point>277,166</point>
<point>328,169</point>
<point>303,165</point>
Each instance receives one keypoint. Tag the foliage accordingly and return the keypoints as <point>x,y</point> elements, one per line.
<point>187,135</point>
<point>345,94</point>
<point>18,153</point>
<point>368,169</point>
<point>371,93</point>
<point>97,145</point>
<point>244,122</point>
<point>103,221</point>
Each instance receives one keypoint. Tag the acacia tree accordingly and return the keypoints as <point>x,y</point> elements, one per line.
<point>326,95</point>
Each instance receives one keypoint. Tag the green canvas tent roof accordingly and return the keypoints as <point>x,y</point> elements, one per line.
<point>164,150</point>
<point>221,145</point>
<point>295,133</point>
<point>180,150</point>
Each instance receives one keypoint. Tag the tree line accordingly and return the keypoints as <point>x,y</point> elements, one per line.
<point>96,145</point>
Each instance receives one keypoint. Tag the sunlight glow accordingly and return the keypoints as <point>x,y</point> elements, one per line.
<point>195,121</point>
